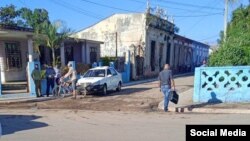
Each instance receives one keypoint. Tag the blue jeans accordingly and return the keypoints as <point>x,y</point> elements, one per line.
<point>166,91</point>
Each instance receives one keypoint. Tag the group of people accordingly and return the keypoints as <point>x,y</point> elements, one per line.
<point>53,76</point>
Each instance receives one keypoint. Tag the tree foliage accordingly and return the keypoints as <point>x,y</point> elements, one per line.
<point>50,35</point>
<point>235,49</point>
<point>8,15</point>
<point>24,17</point>
<point>54,34</point>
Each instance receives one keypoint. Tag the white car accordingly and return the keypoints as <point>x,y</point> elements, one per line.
<point>100,79</point>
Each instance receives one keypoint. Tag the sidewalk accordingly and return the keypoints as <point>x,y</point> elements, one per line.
<point>21,98</point>
<point>152,79</point>
<point>185,105</point>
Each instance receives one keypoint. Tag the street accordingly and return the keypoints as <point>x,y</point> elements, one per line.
<point>131,114</point>
<point>140,97</point>
<point>76,125</point>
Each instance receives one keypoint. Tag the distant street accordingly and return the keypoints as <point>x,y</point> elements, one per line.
<point>75,125</point>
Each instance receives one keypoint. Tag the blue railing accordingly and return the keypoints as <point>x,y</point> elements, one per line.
<point>222,84</point>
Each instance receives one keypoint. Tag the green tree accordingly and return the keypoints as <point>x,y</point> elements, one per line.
<point>34,19</point>
<point>235,50</point>
<point>23,17</point>
<point>54,34</point>
<point>8,15</point>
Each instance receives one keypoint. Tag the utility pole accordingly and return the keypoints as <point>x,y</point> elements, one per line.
<point>225,19</point>
<point>148,7</point>
<point>116,45</point>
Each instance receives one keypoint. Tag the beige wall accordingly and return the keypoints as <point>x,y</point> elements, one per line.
<point>129,28</point>
<point>13,75</point>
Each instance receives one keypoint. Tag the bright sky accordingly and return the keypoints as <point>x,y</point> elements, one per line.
<point>200,20</point>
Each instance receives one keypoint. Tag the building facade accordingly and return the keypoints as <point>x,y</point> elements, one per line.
<point>17,49</point>
<point>151,41</point>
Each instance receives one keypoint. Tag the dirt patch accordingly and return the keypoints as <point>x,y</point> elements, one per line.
<point>143,97</point>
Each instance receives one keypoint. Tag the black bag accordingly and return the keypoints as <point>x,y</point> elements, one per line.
<point>174,97</point>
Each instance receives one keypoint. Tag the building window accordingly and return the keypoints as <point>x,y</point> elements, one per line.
<point>93,54</point>
<point>13,56</point>
<point>152,56</point>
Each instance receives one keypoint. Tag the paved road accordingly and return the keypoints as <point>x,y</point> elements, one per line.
<point>73,125</point>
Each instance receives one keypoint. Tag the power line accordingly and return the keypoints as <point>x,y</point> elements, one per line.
<point>169,7</point>
<point>76,9</point>
<point>210,37</point>
<point>189,5</point>
<point>212,14</point>
<point>195,24</point>
<point>107,6</point>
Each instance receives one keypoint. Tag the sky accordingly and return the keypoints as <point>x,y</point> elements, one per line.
<point>200,20</point>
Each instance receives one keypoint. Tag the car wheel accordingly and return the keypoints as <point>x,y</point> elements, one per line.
<point>119,87</point>
<point>104,90</point>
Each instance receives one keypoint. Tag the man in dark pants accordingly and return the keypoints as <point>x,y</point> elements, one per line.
<point>50,77</point>
<point>36,75</point>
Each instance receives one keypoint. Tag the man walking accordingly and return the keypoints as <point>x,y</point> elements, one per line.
<point>166,83</point>
<point>36,76</point>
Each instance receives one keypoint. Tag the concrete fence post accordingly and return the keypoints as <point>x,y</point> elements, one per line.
<point>30,68</point>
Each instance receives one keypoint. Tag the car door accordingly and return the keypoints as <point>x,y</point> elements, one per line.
<point>109,78</point>
<point>115,78</point>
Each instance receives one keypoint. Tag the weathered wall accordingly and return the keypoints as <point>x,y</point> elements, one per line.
<point>222,84</point>
<point>18,74</point>
<point>129,29</point>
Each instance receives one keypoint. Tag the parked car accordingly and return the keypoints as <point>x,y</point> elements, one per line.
<point>100,79</point>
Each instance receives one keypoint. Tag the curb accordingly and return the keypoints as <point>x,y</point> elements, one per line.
<point>26,100</point>
<point>192,108</point>
<point>209,110</point>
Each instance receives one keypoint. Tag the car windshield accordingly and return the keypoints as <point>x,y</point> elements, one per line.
<point>95,73</point>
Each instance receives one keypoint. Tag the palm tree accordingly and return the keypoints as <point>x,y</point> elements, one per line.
<point>53,38</point>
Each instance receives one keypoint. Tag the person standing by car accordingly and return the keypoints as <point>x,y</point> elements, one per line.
<point>166,83</point>
<point>36,76</point>
<point>50,77</point>
<point>71,74</point>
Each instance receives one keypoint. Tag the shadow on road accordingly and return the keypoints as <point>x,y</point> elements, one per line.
<point>15,123</point>
<point>212,101</point>
<point>125,91</point>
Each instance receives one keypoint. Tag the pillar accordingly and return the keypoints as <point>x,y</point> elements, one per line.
<point>30,48</point>
<point>172,50</point>
<point>127,63</point>
<point>62,54</point>
<point>87,55</point>
<point>2,72</point>
<point>31,67</point>
<point>83,52</point>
